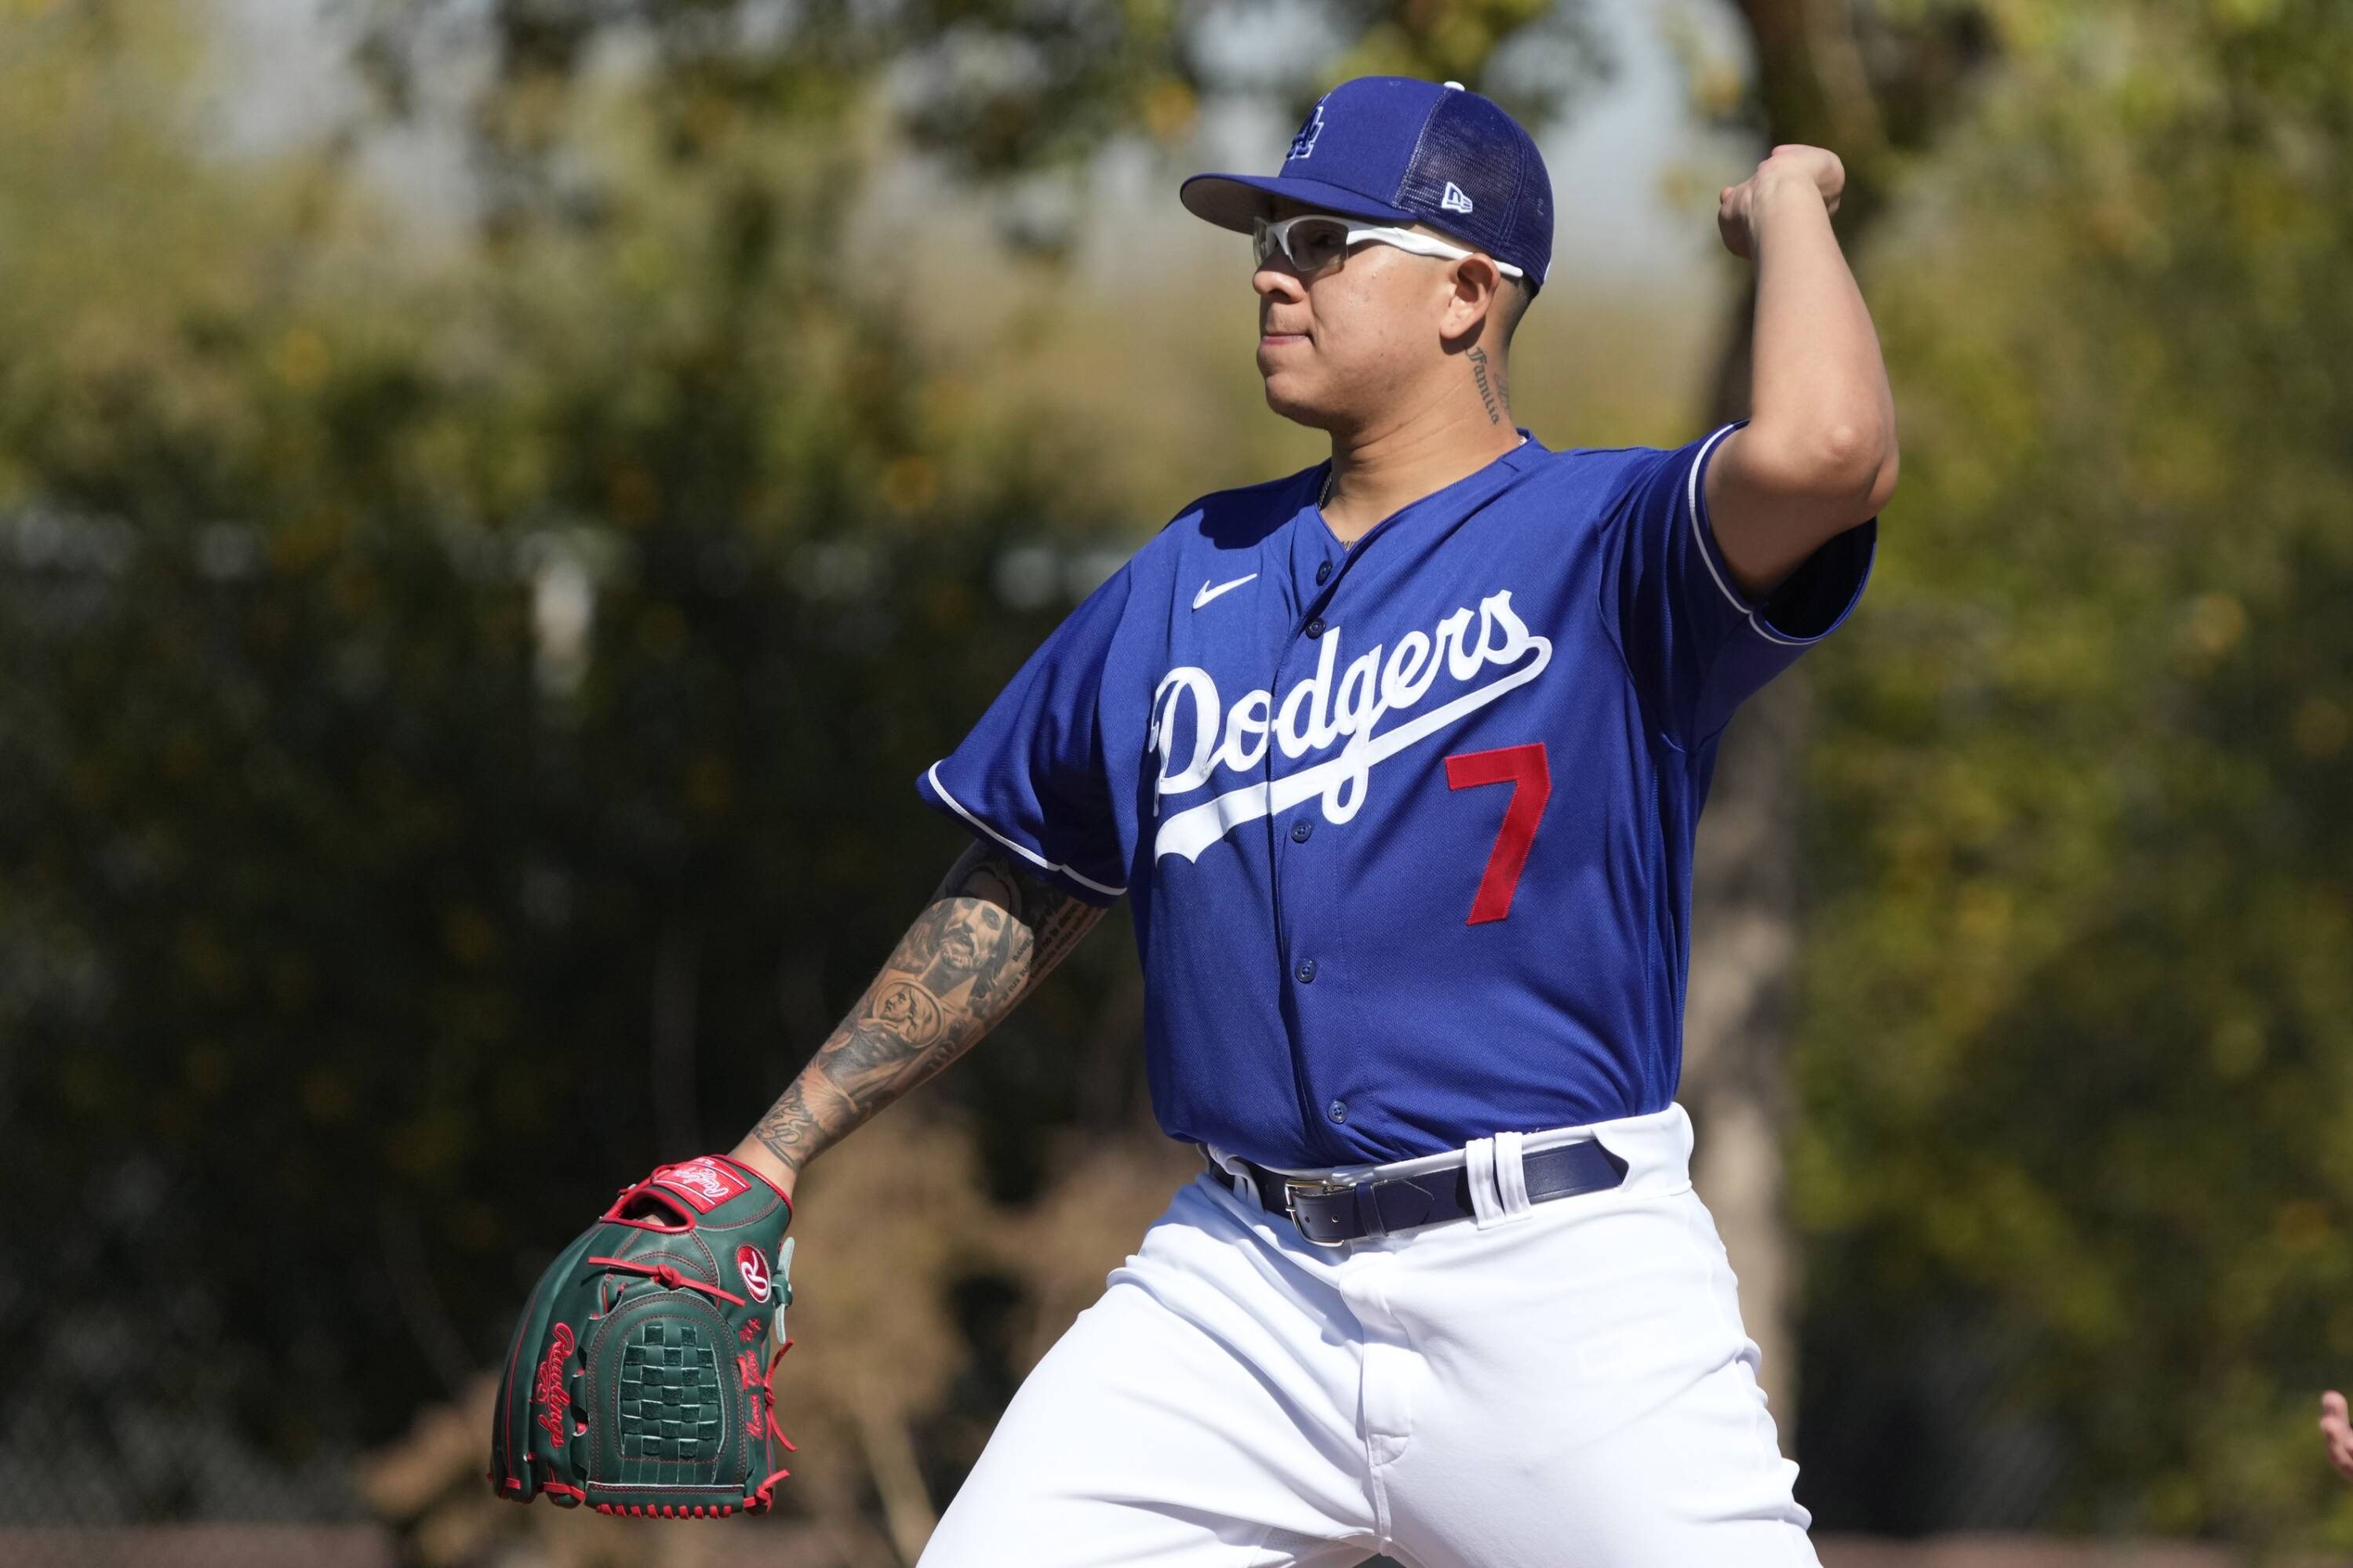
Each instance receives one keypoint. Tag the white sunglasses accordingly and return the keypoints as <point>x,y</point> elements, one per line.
<point>1315,240</point>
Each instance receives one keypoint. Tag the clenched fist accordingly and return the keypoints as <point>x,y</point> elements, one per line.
<point>1791,167</point>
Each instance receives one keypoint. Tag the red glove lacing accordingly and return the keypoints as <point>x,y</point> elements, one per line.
<point>670,1278</point>
<point>759,1500</point>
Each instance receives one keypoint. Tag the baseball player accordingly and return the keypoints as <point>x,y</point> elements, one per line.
<point>1398,760</point>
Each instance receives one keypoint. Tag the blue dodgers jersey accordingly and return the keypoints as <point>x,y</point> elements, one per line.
<point>1408,826</point>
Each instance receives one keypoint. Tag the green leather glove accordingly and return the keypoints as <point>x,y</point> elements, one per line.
<point>638,1380</point>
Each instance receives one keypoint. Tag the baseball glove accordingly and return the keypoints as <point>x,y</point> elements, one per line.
<point>638,1382</point>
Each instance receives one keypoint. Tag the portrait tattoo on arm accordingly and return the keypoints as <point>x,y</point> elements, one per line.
<point>989,934</point>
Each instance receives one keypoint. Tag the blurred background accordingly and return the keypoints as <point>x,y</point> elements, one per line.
<point>499,498</point>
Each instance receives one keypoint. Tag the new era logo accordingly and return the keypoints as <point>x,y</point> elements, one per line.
<point>1454,200</point>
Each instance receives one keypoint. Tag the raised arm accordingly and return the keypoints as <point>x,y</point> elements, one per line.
<point>988,935</point>
<point>1818,455</point>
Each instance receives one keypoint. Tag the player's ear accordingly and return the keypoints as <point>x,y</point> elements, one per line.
<point>1474,297</point>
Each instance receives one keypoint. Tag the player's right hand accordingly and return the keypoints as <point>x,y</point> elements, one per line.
<point>1791,164</point>
<point>638,1378</point>
<point>2337,1429</point>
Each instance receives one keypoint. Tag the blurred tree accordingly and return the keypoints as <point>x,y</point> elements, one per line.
<point>995,88</point>
<point>2076,1069</point>
<point>452,673</point>
<point>1878,84</point>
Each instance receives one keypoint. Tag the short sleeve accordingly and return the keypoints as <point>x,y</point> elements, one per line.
<point>1031,775</point>
<point>1696,647</point>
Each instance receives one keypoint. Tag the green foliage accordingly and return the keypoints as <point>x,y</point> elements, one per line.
<point>466,683</point>
<point>2077,1068</point>
<point>360,895</point>
<point>991,88</point>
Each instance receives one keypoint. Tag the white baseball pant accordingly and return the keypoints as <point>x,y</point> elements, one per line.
<point>1563,1385</point>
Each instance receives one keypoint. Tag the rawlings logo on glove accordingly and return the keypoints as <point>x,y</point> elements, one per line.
<point>640,1379</point>
<point>705,1182</point>
<point>754,1270</point>
<point>549,1390</point>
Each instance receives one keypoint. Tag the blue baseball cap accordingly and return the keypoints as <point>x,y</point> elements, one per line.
<point>1403,150</point>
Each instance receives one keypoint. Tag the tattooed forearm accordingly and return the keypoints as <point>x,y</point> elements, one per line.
<point>1490,384</point>
<point>790,1130</point>
<point>988,935</point>
<point>1058,930</point>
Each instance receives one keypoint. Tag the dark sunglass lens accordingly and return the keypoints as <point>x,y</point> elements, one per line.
<point>1318,242</point>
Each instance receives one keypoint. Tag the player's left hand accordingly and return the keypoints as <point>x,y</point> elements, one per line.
<point>1791,163</point>
<point>2338,1429</point>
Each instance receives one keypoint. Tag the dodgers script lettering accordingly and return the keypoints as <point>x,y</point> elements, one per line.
<point>1336,706</point>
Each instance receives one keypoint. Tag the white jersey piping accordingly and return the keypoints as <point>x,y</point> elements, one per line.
<point>1699,539</point>
<point>1032,856</point>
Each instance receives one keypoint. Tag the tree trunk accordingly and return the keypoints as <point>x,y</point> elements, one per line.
<point>1735,1005</point>
<point>1815,84</point>
<point>1735,1018</point>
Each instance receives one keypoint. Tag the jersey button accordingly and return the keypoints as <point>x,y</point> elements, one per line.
<point>1315,629</point>
<point>1338,1110</point>
<point>1300,830</point>
<point>1306,971</point>
<point>1323,573</point>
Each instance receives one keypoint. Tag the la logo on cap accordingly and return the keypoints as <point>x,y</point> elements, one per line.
<point>1454,200</point>
<point>1310,128</point>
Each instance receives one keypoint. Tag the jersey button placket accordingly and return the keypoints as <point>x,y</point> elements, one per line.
<point>1303,880</point>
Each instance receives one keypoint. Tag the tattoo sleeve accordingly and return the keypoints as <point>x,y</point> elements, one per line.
<point>988,935</point>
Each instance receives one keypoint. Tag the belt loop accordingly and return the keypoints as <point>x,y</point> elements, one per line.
<point>1511,1175</point>
<point>1235,1175</point>
<point>1479,1174</point>
<point>1368,1210</point>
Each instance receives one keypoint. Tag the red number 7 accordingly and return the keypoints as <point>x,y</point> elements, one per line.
<point>1524,768</point>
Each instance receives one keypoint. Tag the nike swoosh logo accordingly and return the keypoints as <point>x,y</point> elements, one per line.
<point>1209,593</point>
<point>1195,828</point>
